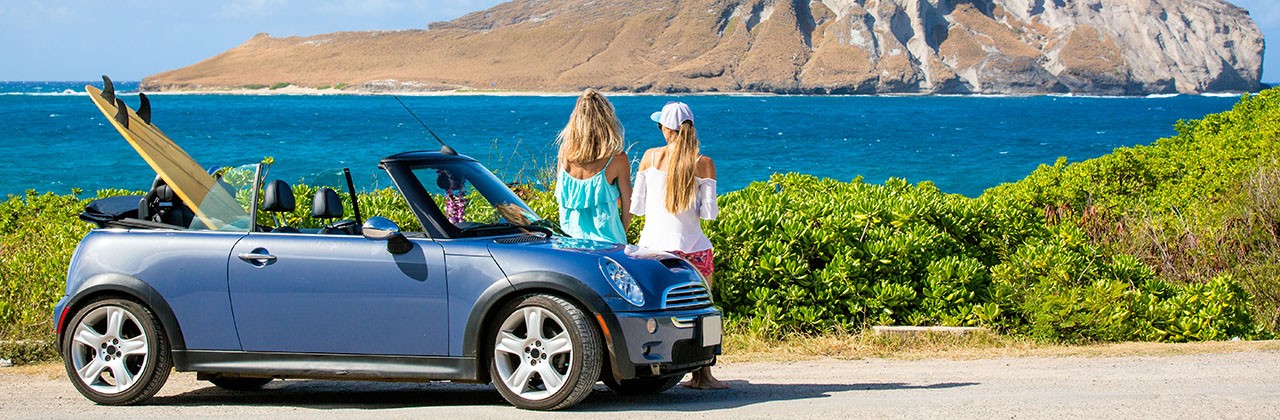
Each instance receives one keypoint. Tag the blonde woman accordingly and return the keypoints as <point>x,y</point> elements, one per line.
<point>675,188</point>
<point>593,181</point>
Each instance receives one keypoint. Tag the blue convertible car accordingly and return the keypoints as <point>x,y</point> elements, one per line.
<point>480,289</point>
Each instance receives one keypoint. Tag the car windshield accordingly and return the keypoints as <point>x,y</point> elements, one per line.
<point>225,208</point>
<point>473,199</point>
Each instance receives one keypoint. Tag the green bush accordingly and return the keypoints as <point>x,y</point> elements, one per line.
<point>40,232</point>
<point>800,253</point>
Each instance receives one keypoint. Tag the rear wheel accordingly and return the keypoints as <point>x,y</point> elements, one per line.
<point>642,386</point>
<point>240,384</point>
<point>546,353</point>
<point>116,353</point>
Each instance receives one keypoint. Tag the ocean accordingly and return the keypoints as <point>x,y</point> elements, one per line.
<point>57,140</point>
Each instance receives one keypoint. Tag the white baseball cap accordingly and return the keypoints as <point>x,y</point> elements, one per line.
<point>672,115</point>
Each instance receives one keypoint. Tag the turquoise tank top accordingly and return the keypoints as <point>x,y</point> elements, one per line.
<point>589,207</point>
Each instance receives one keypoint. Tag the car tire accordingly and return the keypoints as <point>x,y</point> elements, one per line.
<point>240,384</point>
<point>642,386</point>
<point>115,352</point>
<point>566,349</point>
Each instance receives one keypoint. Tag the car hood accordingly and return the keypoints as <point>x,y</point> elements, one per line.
<point>657,272</point>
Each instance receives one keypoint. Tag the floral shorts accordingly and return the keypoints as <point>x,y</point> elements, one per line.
<point>701,260</point>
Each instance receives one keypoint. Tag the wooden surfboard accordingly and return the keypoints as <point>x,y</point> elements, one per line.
<point>214,205</point>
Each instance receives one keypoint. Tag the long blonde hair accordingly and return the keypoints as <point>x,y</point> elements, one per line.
<point>593,132</point>
<point>682,167</point>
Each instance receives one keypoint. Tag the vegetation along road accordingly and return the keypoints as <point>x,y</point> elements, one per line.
<point>1232,380</point>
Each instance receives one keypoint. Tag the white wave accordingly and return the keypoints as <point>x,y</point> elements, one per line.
<point>63,93</point>
<point>1079,96</point>
<point>1225,95</point>
<point>1162,95</point>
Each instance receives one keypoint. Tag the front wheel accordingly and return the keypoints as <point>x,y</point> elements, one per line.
<point>546,353</point>
<point>116,353</point>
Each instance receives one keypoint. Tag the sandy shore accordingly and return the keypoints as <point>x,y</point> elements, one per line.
<point>309,91</point>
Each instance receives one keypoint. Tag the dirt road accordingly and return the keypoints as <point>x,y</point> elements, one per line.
<point>1230,385</point>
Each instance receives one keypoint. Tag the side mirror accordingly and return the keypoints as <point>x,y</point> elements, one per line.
<point>379,228</point>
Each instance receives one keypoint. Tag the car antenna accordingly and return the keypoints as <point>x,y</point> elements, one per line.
<point>444,148</point>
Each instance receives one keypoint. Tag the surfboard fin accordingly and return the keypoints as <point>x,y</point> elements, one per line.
<point>144,109</point>
<point>122,113</point>
<point>108,89</point>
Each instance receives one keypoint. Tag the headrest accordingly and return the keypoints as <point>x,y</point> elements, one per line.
<point>277,196</point>
<point>164,193</point>
<point>156,183</point>
<point>326,204</point>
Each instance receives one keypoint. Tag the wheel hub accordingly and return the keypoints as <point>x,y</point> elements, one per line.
<point>109,349</point>
<point>534,353</point>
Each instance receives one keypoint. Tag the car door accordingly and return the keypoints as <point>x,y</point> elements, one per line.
<point>311,293</point>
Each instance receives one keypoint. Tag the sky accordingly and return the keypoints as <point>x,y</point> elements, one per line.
<point>130,39</point>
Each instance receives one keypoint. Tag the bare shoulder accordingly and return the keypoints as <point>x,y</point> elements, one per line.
<point>706,168</point>
<point>621,163</point>
<point>647,160</point>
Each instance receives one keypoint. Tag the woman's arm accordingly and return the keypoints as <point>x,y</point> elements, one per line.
<point>621,168</point>
<point>638,188</point>
<point>706,168</point>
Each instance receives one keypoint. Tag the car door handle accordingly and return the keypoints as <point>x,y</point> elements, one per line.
<point>259,258</point>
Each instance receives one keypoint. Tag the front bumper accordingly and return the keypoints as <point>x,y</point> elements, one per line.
<point>683,341</point>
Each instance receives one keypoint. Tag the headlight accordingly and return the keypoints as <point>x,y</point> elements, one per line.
<point>622,281</point>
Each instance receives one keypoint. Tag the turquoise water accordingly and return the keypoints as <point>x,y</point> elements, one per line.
<point>57,140</point>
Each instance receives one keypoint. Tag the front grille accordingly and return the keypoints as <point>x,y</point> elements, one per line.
<point>686,296</point>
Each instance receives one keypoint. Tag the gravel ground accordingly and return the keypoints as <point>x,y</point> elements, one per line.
<point>1228,385</point>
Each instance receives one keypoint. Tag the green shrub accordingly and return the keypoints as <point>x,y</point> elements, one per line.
<point>40,232</point>
<point>279,85</point>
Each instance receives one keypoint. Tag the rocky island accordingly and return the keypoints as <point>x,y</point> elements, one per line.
<point>1095,47</point>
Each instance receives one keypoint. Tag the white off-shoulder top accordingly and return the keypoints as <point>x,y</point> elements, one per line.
<point>663,230</point>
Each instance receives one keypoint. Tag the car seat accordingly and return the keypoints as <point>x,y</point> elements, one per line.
<point>161,204</point>
<point>278,198</point>
<point>328,206</point>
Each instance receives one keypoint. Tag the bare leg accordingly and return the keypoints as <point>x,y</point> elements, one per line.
<point>702,378</point>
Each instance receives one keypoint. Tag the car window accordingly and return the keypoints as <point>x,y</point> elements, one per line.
<point>469,197</point>
<point>307,184</point>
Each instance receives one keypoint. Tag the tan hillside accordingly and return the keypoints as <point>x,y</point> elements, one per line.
<point>1114,47</point>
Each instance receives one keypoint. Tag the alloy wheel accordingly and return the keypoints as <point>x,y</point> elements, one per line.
<point>109,349</point>
<point>533,353</point>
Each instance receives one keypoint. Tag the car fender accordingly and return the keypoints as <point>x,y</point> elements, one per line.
<point>121,284</point>
<point>522,283</point>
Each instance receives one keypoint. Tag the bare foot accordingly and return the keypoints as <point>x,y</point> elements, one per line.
<point>702,379</point>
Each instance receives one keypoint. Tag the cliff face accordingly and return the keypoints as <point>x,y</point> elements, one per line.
<point>1111,47</point>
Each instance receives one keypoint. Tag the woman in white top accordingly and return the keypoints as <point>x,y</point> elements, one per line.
<point>675,187</point>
